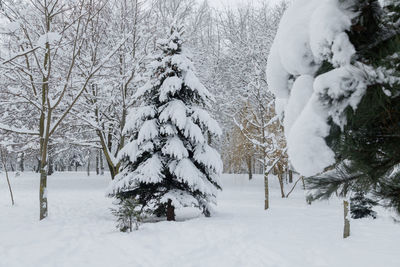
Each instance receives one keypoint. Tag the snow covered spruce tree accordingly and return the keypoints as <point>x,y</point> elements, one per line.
<point>168,162</point>
<point>334,68</point>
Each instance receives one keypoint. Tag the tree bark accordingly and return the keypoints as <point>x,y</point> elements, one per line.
<point>21,162</point>
<point>346,230</point>
<point>4,161</point>
<point>279,172</point>
<point>170,211</point>
<point>44,141</point>
<point>88,165</point>
<point>280,178</point>
<point>113,171</point>
<point>43,194</point>
<point>266,191</point>
<point>290,176</point>
<point>97,163</point>
<point>51,167</point>
<point>101,164</point>
<point>250,167</point>
<point>37,170</point>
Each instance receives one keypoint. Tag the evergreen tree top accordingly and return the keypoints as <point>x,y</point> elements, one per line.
<point>172,72</point>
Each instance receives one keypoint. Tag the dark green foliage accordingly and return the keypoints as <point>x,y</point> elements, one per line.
<point>361,206</point>
<point>337,182</point>
<point>127,214</point>
<point>389,191</point>
<point>367,149</point>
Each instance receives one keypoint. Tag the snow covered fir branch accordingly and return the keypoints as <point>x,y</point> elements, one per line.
<point>199,133</point>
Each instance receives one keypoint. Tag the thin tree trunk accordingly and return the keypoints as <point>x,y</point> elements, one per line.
<point>44,130</point>
<point>266,189</point>
<point>51,167</point>
<point>346,230</point>
<point>170,211</point>
<point>285,174</point>
<point>21,162</point>
<point>290,176</point>
<point>113,172</point>
<point>43,194</point>
<point>38,166</point>
<point>44,141</point>
<point>250,167</point>
<point>280,178</point>
<point>88,165</point>
<point>279,172</point>
<point>97,163</point>
<point>3,160</point>
<point>101,164</point>
<point>294,186</point>
<point>43,175</point>
<point>44,145</point>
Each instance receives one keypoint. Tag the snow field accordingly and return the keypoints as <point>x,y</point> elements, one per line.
<point>80,230</point>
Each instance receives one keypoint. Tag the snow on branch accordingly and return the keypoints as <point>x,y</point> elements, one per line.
<point>17,130</point>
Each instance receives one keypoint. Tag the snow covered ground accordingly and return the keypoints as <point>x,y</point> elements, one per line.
<point>80,230</point>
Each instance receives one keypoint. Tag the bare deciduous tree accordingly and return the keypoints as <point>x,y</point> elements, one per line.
<point>47,70</point>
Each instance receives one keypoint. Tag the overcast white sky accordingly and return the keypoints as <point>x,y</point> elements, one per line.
<point>222,3</point>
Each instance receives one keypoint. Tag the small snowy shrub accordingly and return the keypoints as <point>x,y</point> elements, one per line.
<point>361,206</point>
<point>128,214</point>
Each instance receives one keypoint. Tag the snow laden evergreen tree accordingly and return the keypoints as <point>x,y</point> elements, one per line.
<point>334,68</point>
<point>367,147</point>
<point>168,162</point>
